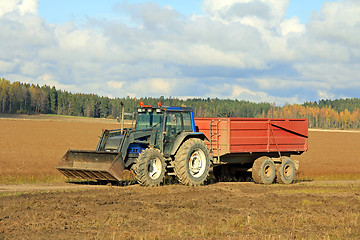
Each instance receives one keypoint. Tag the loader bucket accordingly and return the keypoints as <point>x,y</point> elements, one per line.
<point>95,165</point>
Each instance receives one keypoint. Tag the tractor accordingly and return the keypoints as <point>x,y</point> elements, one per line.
<point>164,141</point>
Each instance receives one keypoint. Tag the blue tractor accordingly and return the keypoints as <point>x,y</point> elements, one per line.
<point>163,142</point>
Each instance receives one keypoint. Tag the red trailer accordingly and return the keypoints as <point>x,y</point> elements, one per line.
<point>259,145</point>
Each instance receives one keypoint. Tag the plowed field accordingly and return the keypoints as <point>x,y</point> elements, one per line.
<point>30,149</point>
<point>33,147</point>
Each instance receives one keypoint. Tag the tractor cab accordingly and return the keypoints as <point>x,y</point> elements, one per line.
<point>166,122</point>
<point>177,118</point>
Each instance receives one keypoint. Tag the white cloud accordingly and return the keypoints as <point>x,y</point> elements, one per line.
<point>29,6</point>
<point>115,84</point>
<point>236,91</point>
<point>256,13</point>
<point>239,91</point>
<point>7,66</point>
<point>152,87</point>
<point>335,75</point>
<point>292,26</point>
<point>338,23</point>
<point>51,80</point>
<point>325,95</point>
<point>8,6</point>
<point>20,6</point>
<point>158,85</point>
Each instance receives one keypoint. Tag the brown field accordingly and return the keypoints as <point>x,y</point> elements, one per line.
<point>54,209</point>
<point>31,148</point>
<point>332,155</point>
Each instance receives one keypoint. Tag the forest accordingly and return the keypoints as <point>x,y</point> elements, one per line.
<point>23,98</point>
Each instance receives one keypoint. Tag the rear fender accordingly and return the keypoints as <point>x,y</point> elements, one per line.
<point>182,137</point>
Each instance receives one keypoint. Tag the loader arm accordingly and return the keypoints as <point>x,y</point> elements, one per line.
<point>134,136</point>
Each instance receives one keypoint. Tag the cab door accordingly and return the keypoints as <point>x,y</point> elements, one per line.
<point>173,127</point>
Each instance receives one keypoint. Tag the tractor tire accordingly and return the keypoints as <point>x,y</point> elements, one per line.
<point>192,162</point>
<point>264,170</point>
<point>285,172</point>
<point>149,168</point>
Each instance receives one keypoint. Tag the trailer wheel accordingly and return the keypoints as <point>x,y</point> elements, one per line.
<point>192,162</point>
<point>263,170</point>
<point>150,167</point>
<point>285,172</point>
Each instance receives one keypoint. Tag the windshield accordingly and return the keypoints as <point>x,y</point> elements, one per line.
<point>148,120</point>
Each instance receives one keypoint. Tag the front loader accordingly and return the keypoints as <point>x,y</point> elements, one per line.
<point>163,142</point>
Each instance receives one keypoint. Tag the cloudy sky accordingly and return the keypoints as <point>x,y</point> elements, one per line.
<point>283,51</point>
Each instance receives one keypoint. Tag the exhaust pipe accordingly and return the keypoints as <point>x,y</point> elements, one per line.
<point>122,118</point>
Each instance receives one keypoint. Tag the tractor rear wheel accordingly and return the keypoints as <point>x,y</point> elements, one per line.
<point>285,172</point>
<point>263,170</point>
<point>192,162</point>
<point>150,167</point>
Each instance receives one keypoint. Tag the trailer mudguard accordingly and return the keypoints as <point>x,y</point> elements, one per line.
<point>182,137</point>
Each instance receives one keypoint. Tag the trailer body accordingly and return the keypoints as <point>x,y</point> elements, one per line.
<point>242,140</point>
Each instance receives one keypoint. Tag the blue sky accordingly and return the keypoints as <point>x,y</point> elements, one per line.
<point>60,11</point>
<point>282,51</point>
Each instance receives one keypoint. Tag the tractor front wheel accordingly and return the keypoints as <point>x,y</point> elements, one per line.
<point>150,167</point>
<point>192,162</point>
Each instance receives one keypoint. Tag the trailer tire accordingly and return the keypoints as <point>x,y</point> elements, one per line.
<point>285,172</point>
<point>192,162</point>
<point>263,170</point>
<point>149,167</point>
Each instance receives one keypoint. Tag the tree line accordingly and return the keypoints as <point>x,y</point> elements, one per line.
<point>23,98</point>
<point>323,117</point>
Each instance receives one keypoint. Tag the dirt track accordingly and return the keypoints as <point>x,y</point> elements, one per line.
<point>8,189</point>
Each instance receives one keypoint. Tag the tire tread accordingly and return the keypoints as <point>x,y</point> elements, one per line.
<point>140,168</point>
<point>180,162</point>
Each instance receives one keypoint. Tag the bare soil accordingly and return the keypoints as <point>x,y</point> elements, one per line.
<point>34,146</point>
<point>331,153</point>
<point>305,210</point>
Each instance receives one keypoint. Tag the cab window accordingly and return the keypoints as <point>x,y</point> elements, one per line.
<point>148,120</point>
<point>173,124</point>
<point>187,122</point>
